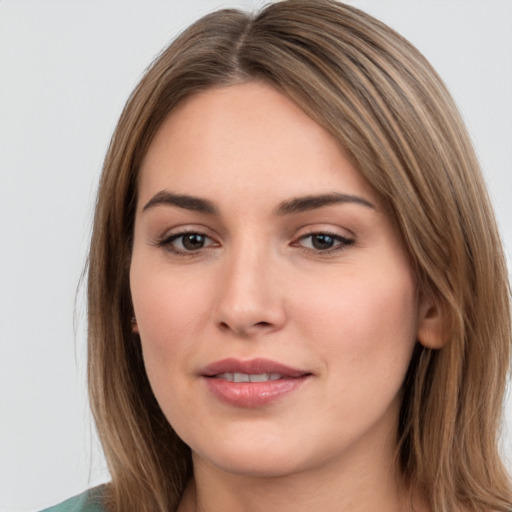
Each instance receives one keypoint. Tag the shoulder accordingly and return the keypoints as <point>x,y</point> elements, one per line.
<point>89,501</point>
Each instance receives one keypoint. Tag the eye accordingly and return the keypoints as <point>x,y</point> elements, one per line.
<point>189,242</point>
<point>324,242</point>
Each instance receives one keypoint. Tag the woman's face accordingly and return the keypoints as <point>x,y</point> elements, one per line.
<point>276,308</point>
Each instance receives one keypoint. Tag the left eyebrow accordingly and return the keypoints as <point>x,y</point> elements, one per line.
<point>307,203</point>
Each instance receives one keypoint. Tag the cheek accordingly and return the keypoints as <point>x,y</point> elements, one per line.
<point>167,304</point>
<point>364,332</point>
<point>366,323</point>
<point>169,317</point>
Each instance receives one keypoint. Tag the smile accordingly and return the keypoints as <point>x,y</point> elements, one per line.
<point>247,377</point>
<point>252,384</point>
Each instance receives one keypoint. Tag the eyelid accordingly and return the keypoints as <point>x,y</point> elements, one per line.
<point>183,229</point>
<point>342,241</point>
<point>166,240</point>
<point>326,229</point>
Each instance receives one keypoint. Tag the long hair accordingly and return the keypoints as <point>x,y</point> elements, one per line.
<point>392,115</point>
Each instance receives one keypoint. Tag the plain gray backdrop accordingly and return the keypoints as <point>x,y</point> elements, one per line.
<point>66,69</point>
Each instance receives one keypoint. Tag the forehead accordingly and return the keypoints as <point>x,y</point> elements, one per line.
<point>246,139</point>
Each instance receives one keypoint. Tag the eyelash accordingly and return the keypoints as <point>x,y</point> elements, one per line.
<point>166,243</point>
<point>342,242</point>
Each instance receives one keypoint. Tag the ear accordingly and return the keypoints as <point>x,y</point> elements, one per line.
<point>135,326</point>
<point>431,332</point>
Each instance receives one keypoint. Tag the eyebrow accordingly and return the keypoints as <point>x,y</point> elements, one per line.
<point>289,207</point>
<point>307,203</point>
<point>186,202</point>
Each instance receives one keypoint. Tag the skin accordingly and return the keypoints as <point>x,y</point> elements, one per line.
<point>256,286</point>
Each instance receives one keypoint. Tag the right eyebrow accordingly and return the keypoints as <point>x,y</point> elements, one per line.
<point>196,204</point>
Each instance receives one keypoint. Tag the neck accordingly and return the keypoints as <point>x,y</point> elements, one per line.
<point>363,485</point>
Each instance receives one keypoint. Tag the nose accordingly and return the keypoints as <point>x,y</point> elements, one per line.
<point>250,294</point>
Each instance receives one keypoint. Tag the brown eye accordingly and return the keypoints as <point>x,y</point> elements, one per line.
<point>324,242</point>
<point>183,243</point>
<point>193,241</point>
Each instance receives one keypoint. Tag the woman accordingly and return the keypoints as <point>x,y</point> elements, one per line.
<point>297,296</point>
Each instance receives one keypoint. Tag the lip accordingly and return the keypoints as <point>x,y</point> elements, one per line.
<point>252,394</point>
<point>252,366</point>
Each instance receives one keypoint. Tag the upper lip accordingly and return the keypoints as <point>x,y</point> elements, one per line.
<point>251,367</point>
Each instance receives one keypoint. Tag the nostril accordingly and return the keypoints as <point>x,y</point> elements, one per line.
<point>262,324</point>
<point>246,329</point>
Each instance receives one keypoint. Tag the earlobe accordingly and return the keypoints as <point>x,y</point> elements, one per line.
<point>431,332</point>
<point>135,327</point>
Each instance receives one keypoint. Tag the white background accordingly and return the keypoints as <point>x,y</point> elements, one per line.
<point>66,69</point>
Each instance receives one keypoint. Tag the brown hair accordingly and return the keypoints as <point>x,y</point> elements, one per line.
<point>393,116</point>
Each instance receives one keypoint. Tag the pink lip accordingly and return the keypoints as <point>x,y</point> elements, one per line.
<point>252,394</point>
<point>252,366</point>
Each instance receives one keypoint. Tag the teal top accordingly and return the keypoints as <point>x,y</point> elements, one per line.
<point>88,501</point>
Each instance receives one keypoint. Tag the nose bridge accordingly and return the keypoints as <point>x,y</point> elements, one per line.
<point>249,298</point>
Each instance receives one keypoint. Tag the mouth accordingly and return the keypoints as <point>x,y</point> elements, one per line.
<point>248,377</point>
<point>253,370</point>
<point>253,383</point>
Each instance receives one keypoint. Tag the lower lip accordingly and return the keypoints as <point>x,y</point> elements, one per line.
<point>252,394</point>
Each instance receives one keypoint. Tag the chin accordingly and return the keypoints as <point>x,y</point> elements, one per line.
<point>260,467</point>
<point>251,459</point>
<point>256,459</point>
